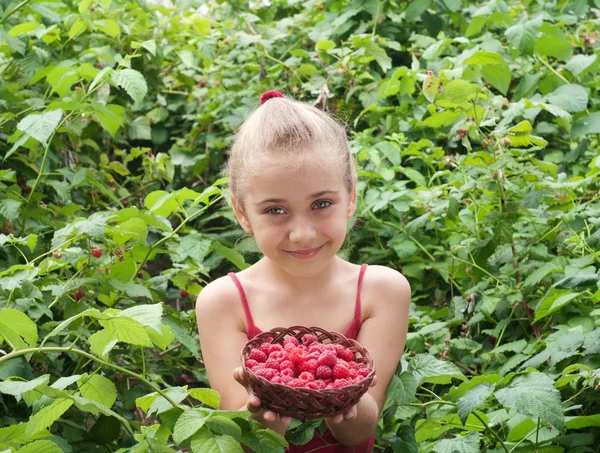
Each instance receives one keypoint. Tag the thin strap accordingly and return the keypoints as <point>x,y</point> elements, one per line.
<point>363,268</point>
<point>244,302</point>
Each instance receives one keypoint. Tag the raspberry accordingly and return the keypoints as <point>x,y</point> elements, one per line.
<point>295,383</point>
<point>287,373</point>
<point>292,340</point>
<point>264,347</point>
<point>310,365</point>
<point>267,373</point>
<point>297,355</point>
<point>347,355</point>
<point>363,372</point>
<point>79,294</point>
<point>352,373</point>
<point>277,379</point>
<point>340,372</point>
<point>313,355</point>
<point>323,372</point>
<point>96,253</point>
<point>258,355</point>
<point>251,363</point>
<point>339,349</point>
<point>183,293</point>
<point>289,347</point>
<point>306,376</point>
<point>339,383</point>
<point>328,359</point>
<point>275,347</point>
<point>317,385</point>
<point>316,347</point>
<point>279,356</point>
<point>273,364</point>
<point>308,339</point>
<point>287,364</point>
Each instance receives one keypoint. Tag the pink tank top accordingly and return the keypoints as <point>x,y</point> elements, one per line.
<point>325,443</point>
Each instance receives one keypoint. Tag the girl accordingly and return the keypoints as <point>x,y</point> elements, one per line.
<point>293,187</point>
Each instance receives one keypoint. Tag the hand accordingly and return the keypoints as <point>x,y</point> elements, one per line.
<point>352,411</point>
<point>273,420</point>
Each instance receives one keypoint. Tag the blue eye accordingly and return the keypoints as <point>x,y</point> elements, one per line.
<point>323,201</point>
<point>270,211</point>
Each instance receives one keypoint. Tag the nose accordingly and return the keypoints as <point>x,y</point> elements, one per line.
<point>302,232</point>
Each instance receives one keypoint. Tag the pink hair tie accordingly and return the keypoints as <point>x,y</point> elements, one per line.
<point>270,94</point>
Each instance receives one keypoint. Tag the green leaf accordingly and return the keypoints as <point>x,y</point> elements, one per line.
<point>41,126</point>
<point>380,55</point>
<point>161,203</point>
<point>576,281</point>
<point>426,368</point>
<point>110,116</point>
<point>472,400</point>
<point>553,43</point>
<point>77,28</point>
<point>150,46</point>
<point>91,312</point>
<point>580,63</point>
<point>132,82</point>
<point>554,300</point>
<point>131,289</point>
<point>148,315</point>
<point>325,45</point>
<point>573,98</point>
<point>207,396</point>
<point>232,255</point>
<point>195,247</point>
<point>17,329</point>
<point>40,446</point>
<point>98,388</point>
<point>162,339</point>
<point>416,8</point>
<point>458,91</point>
<point>403,388</point>
<point>134,230</point>
<point>584,421</point>
<point>224,425</point>
<point>103,341</point>
<point>534,395</point>
<point>46,416</point>
<point>188,424</point>
<point>498,76</point>
<point>414,176</point>
<point>17,388</point>
<point>128,331</point>
<point>182,335</point>
<point>204,442</point>
<point>10,209</point>
<point>484,58</point>
<point>123,271</point>
<point>586,125</point>
<point>539,274</point>
<point>523,36</point>
<point>460,444</point>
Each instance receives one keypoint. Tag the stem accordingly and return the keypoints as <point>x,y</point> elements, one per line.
<point>492,432</point>
<point>93,358</point>
<point>181,225</point>
<point>560,76</point>
<point>537,433</point>
<point>17,8</point>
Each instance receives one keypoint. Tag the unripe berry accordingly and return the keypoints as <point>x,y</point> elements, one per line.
<point>57,254</point>
<point>506,141</point>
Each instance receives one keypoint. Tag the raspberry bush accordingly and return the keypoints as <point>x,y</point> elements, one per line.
<point>476,130</point>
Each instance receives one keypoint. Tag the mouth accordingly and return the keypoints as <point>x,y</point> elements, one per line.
<point>304,254</point>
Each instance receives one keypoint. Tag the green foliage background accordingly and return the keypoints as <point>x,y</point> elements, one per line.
<point>476,128</point>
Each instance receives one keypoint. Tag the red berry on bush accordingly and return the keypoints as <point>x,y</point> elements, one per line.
<point>79,294</point>
<point>469,299</point>
<point>184,378</point>
<point>96,253</point>
<point>492,340</point>
<point>462,134</point>
<point>183,293</point>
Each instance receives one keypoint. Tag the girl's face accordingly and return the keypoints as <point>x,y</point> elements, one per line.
<point>298,217</point>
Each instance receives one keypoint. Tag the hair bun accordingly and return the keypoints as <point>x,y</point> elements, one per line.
<point>270,94</point>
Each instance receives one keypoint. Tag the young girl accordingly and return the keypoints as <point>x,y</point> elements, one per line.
<point>293,187</point>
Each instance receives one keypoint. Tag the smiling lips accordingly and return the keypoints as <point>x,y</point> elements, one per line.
<point>305,254</point>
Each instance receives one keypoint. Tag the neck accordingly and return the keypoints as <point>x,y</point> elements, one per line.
<point>303,283</point>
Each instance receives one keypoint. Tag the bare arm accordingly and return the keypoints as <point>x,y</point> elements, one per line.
<point>219,316</point>
<point>383,334</point>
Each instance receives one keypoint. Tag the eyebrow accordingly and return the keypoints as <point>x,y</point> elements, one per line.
<point>315,195</point>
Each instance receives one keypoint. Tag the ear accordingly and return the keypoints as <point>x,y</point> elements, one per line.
<point>352,201</point>
<point>241,216</point>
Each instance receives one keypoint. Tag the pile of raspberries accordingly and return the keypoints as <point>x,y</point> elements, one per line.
<point>312,364</point>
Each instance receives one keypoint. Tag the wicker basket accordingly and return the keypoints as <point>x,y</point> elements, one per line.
<point>304,403</point>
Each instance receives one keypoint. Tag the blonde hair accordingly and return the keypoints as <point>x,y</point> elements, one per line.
<point>293,132</point>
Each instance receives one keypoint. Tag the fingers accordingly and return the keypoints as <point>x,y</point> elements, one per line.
<point>286,420</point>
<point>374,381</point>
<point>240,376</point>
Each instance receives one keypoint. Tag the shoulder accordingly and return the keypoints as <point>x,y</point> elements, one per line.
<point>218,297</point>
<point>385,286</point>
